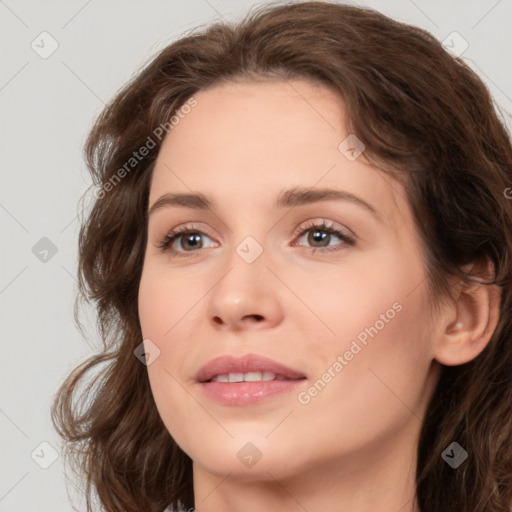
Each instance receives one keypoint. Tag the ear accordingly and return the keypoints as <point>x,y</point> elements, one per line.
<point>469,318</point>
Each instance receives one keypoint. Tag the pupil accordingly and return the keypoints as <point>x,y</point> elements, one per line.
<point>193,239</point>
<point>319,236</point>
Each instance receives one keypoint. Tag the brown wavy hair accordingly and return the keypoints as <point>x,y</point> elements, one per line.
<point>424,117</point>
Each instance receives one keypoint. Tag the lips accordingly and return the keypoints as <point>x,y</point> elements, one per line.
<point>238,368</point>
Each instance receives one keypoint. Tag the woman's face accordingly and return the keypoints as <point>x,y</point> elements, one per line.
<point>344,305</point>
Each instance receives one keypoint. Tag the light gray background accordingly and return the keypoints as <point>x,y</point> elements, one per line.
<point>47,107</point>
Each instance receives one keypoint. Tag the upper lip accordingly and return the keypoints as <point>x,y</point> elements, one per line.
<point>247,363</point>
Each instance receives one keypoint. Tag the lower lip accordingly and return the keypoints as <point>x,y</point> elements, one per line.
<point>247,393</point>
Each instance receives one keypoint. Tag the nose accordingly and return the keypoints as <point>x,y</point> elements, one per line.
<point>248,296</point>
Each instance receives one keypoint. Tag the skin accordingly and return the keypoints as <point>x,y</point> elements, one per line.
<point>353,445</point>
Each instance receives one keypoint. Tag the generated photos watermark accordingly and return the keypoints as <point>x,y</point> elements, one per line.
<point>137,156</point>
<point>356,346</point>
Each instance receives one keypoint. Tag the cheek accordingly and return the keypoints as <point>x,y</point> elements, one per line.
<point>164,299</point>
<point>375,373</point>
<point>168,307</point>
<point>376,389</point>
<point>377,313</point>
<point>360,298</point>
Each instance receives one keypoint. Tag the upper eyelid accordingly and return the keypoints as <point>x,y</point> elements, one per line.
<point>316,223</point>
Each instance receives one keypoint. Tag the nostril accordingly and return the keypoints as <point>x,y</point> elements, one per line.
<point>258,318</point>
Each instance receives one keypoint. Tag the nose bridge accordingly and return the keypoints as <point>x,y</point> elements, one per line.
<point>246,264</point>
<point>244,293</point>
<point>248,236</point>
<point>250,250</point>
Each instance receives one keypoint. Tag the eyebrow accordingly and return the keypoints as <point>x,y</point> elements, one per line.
<point>290,198</point>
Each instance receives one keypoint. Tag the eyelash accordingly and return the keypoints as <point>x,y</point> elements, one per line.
<point>169,238</point>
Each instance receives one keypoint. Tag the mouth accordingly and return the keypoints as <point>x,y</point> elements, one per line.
<point>246,380</point>
<point>247,368</point>
<point>250,377</point>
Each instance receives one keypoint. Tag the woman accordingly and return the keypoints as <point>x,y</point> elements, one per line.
<point>300,258</point>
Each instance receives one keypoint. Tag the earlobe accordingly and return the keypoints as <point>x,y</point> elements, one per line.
<point>469,324</point>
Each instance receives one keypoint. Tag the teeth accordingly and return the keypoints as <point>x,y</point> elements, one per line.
<point>247,377</point>
<point>252,376</point>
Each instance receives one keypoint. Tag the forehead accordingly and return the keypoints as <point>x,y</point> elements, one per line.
<point>244,142</point>
<point>271,115</point>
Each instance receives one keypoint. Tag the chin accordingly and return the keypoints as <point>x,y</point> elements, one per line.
<point>249,458</point>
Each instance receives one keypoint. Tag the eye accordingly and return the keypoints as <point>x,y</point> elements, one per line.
<point>320,234</point>
<point>188,239</point>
